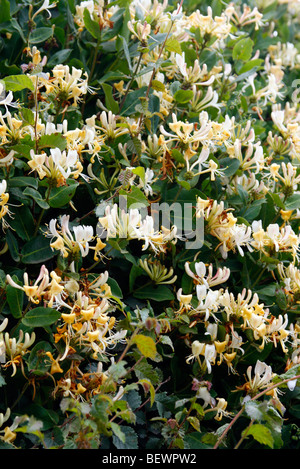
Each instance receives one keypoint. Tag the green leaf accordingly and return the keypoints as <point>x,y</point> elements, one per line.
<point>194,440</point>
<point>47,416</point>
<point>35,195</point>
<point>261,434</point>
<point>131,439</point>
<point>23,181</point>
<point>118,432</point>
<point>146,345</point>
<point>277,200</point>
<point>36,251</point>
<point>194,422</point>
<point>59,57</point>
<point>13,246</point>
<point>229,166</point>
<point>136,197</point>
<point>115,289</point>
<point>172,45</point>
<point>38,362</point>
<point>134,146</point>
<point>243,49</point>
<point>60,196</point>
<point>157,85</point>
<point>148,387</point>
<point>54,140</point>
<point>23,222</point>
<point>131,100</point>
<point>27,116</point>
<point>40,35</point>
<point>91,25</point>
<point>159,293</point>
<point>18,83</point>
<point>24,150</point>
<point>41,317</point>
<point>110,103</point>
<point>15,297</point>
<point>281,300</point>
<point>183,96</point>
<point>4,11</point>
<point>250,65</point>
<point>140,172</point>
<point>292,202</point>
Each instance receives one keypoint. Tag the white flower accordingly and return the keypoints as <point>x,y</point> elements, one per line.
<point>6,101</point>
<point>45,7</point>
<point>263,375</point>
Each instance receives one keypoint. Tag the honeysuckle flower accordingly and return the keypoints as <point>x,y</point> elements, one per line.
<point>197,350</point>
<point>9,436</point>
<point>146,183</point>
<point>16,348</point>
<point>207,301</point>
<point>33,291</point>
<point>221,409</point>
<point>193,75</point>
<point>69,84</point>
<point>262,378</point>
<point>219,26</point>
<point>11,128</point>
<point>109,125</point>
<point>274,238</point>
<point>6,100</point>
<point>140,30</point>
<point>46,6</point>
<point>97,11</point>
<point>58,166</point>
<point>4,417</point>
<point>68,243</point>
<point>285,53</point>
<point>200,101</point>
<point>184,301</point>
<point>247,16</point>
<point>158,272</point>
<point>253,157</point>
<point>289,177</point>
<point>205,275</point>
<point>131,225</point>
<point>4,197</point>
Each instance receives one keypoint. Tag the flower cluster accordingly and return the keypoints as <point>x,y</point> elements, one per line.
<point>126,130</point>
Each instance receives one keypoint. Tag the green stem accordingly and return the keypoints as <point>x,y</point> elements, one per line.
<point>259,276</point>
<point>96,50</point>
<point>42,212</point>
<point>265,391</point>
<point>244,435</point>
<point>154,68</point>
<point>131,81</point>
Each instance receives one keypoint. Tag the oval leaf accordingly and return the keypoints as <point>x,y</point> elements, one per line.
<point>146,345</point>
<point>36,251</point>
<point>40,317</point>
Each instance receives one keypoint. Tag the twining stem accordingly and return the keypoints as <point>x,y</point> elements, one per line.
<point>237,416</point>
<point>42,212</point>
<point>96,51</point>
<point>36,114</point>
<point>245,433</point>
<point>131,81</point>
<point>157,60</point>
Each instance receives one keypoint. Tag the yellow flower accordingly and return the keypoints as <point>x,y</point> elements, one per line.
<point>55,367</point>
<point>9,436</point>
<point>87,314</point>
<point>68,318</point>
<point>286,214</point>
<point>93,335</point>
